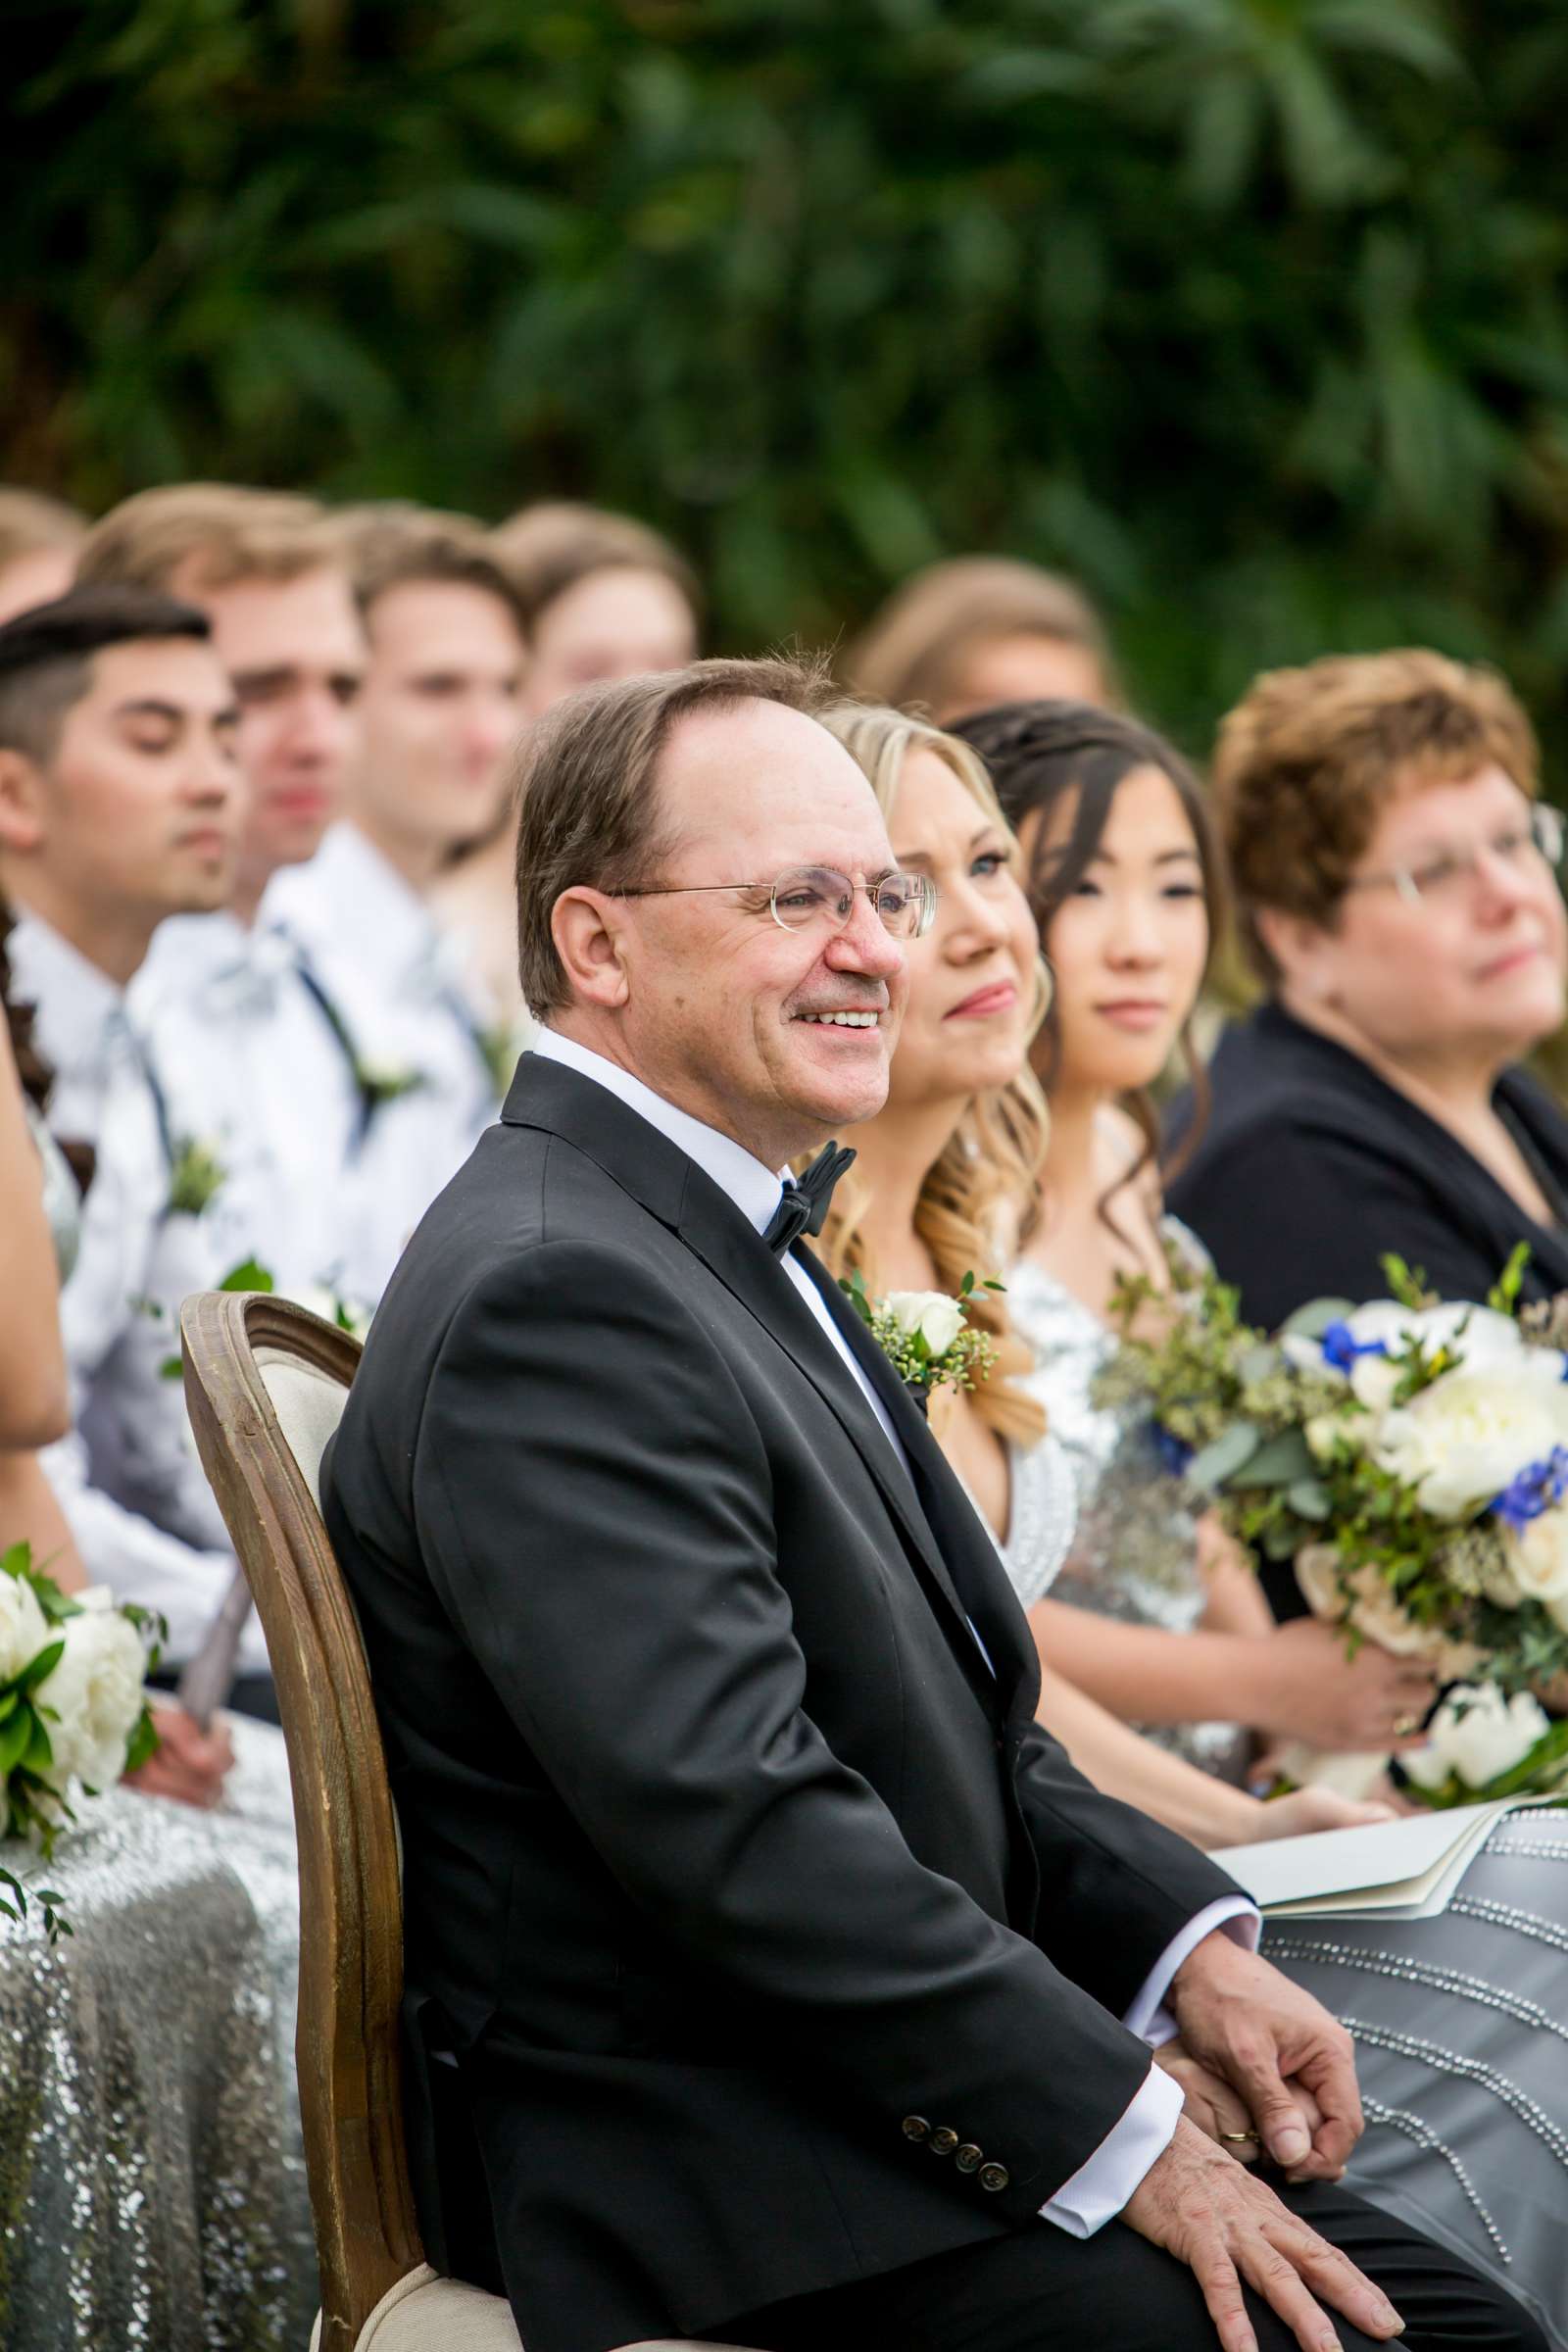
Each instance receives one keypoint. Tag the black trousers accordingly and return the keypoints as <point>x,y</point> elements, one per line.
<point>1039,2290</point>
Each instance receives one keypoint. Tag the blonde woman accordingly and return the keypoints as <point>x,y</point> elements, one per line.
<point>946,1181</point>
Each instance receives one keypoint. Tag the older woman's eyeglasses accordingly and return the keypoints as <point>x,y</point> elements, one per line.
<point>821,897</point>
<point>1446,875</point>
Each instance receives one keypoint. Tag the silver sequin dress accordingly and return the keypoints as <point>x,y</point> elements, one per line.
<point>1135,1554</point>
<point>152,2171</point>
<point>1460,2021</point>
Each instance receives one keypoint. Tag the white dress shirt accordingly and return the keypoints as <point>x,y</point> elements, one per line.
<point>1099,2188</point>
<point>408,999</point>
<point>255,1068</point>
<point>126,1477</point>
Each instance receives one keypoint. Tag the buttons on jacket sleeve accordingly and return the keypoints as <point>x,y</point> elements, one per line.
<point>967,2158</point>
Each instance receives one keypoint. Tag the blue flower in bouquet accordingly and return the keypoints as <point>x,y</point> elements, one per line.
<point>1176,1456</point>
<point>1341,1349</point>
<point>1536,1489</point>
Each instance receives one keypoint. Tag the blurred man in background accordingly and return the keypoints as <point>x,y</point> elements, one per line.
<point>439,710</point>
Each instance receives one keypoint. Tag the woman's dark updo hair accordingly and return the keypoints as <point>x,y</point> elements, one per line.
<point>1043,754</point>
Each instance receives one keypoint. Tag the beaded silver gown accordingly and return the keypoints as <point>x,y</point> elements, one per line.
<point>152,2174</point>
<point>1460,2021</point>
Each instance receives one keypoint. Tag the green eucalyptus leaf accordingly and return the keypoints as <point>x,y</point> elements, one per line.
<point>1230,1454</point>
<point>1309,1498</point>
<point>1281,1461</point>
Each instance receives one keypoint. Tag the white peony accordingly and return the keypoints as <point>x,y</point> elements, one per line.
<point>1476,1734</point>
<point>96,1692</point>
<point>938,1317</point>
<point>1461,1440</point>
<point>1538,1563</point>
<point>24,1627</point>
<point>1479,1336</point>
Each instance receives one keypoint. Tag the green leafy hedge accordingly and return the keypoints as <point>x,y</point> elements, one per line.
<point>1252,312</point>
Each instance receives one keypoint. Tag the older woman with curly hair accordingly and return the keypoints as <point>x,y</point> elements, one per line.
<point>1396,879</point>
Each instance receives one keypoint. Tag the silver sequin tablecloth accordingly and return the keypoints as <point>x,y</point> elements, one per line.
<point>151,2184</point>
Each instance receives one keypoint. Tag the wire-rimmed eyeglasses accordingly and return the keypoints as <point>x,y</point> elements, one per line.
<point>819,894</point>
<point>1534,839</point>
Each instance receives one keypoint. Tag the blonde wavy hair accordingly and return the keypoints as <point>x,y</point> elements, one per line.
<point>980,1197</point>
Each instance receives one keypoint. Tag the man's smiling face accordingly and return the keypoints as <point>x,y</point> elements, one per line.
<point>776,1036</point>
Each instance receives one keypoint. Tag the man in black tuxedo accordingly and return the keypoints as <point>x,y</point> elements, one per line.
<point>788,1982</point>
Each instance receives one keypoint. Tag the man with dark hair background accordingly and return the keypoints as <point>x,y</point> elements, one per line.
<point>121,801</point>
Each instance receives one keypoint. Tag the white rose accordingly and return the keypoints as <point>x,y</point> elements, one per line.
<point>1538,1562</point>
<point>1476,1734</point>
<point>1461,1440</point>
<point>24,1627</point>
<point>96,1692</point>
<point>938,1317</point>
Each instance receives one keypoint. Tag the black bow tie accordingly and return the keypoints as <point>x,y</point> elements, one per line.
<point>804,1204</point>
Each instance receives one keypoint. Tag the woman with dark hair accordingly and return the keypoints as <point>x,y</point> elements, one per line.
<point>1154,1614</point>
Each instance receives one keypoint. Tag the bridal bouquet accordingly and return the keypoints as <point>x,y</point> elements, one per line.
<point>1411,1457</point>
<point>72,1716</point>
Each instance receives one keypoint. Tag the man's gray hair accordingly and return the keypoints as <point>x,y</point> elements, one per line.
<point>588,805</point>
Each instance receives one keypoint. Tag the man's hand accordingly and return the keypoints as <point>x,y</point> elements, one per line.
<point>188,1764</point>
<point>1231,2230</point>
<point>1267,2038</point>
<point>1209,2102</point>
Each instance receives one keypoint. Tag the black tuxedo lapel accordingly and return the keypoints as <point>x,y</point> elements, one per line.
<point>984,1592</point>
<point>671,1187</point>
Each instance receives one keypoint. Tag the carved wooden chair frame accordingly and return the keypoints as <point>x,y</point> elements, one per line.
<point>351,1959</point>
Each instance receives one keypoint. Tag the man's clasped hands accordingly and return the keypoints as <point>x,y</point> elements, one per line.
<point>1268,2075</point>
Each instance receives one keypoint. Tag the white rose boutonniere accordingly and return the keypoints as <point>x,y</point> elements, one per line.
<point>926,1334</point>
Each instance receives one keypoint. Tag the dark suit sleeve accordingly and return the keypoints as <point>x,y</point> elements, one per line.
<point>1306,1210</point>
<point>1116,1889</point>
<point>592,1500</point>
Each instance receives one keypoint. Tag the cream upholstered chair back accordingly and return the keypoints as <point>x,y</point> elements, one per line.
<point>266,1382</point>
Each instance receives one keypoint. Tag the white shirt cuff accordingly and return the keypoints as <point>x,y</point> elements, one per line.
<point>1242,1920</point>
<point>1099,2188</point>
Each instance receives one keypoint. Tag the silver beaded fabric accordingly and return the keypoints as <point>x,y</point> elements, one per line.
<point>1461,2046</point>
<point>151,2184</point>
<point>1135,1554</point>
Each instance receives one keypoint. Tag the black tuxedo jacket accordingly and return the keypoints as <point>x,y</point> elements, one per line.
<point>1312,1166</point>
<point>776,1945</point>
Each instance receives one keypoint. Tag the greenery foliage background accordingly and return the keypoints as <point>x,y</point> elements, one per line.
<point>1253,314</point>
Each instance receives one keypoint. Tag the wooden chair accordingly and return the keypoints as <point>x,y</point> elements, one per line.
<point>266,1383</point>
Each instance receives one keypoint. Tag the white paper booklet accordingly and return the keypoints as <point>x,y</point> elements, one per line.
<point>1406,1869</point>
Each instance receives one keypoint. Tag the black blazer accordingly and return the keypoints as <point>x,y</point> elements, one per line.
<point>736,1879</point>
<point>1312,1166</point>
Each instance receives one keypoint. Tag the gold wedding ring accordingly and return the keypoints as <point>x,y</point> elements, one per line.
<point>1404,1725</point>
<point>1234,2138</point>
